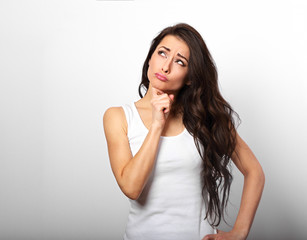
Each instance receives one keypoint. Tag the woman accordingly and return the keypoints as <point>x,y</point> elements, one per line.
<point>170,151</point>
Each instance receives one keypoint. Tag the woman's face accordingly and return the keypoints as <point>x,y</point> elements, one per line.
<point>168,65</point>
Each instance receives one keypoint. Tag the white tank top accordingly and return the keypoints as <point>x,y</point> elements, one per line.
<point>170,206</point>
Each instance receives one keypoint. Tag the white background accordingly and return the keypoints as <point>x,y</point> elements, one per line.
<point>63,63</point>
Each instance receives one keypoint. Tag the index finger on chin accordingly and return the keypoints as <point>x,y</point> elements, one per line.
<point>156,91</point>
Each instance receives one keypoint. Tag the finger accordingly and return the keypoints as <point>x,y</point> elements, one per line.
<point>156,91</point>
<point>161,105</point>
<point>164,96</point>
<point>165,105</point>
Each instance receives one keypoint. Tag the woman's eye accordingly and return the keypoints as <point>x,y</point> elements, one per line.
<point>180,62</point>
<point>161,53</point>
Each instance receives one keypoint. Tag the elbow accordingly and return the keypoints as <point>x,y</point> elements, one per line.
<point>133,196</point>
<point>259,177</point>
<point>260,174</point>
<point>131,193</point>
<point>130,187</point>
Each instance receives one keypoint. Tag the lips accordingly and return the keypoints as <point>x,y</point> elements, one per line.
<point>161,77</point>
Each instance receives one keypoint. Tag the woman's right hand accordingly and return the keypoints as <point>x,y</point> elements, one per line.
<point>161,105</point>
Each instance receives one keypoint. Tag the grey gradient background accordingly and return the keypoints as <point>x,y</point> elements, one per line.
<point>63,63</point>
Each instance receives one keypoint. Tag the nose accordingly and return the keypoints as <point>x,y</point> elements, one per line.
<point>166,66</point>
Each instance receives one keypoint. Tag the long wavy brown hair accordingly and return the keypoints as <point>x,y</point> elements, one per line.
<point>207,117</point>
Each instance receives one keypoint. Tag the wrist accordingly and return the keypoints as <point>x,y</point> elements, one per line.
<point>157,127</point>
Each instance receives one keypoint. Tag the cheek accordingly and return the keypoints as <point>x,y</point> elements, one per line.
<point>182,75</point>
<point>152,67</point>
<point>150,72</point>
<point>153,62</point>
<point>182,79</point>
<point>179,82</point>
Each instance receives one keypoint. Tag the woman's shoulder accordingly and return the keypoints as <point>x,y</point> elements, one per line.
<point>114,116</point>
<point>113,113</point>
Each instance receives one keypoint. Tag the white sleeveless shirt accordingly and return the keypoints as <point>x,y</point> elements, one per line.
<point>170,206</point>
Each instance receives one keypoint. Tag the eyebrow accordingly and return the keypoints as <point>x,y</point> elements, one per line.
<point>177,53</point>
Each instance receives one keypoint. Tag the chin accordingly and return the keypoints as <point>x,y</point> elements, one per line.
<point>159,85</point>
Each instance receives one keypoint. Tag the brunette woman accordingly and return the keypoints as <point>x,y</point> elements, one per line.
<point>170,151</point>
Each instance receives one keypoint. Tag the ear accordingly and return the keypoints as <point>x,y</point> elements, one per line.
<point>188,83</point>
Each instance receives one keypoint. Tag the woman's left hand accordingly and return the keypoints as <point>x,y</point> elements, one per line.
<point>224,236</point>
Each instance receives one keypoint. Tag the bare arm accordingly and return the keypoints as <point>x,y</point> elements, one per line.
<point>254,180</point>
<point>132,172</point>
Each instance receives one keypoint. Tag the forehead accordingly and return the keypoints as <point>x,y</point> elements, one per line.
<point>175,44</point>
